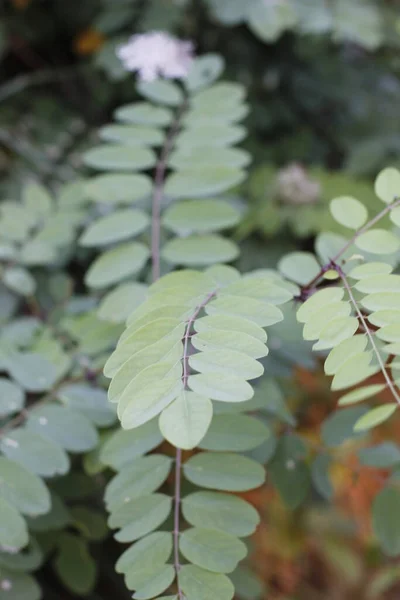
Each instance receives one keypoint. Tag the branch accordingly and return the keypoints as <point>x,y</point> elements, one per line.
<point>178,460</point>
<point>357,234</point>
<point>159,181</point>
<point>368,332</point>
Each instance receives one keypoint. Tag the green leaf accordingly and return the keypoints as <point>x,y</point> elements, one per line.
<point>16,221</point>
<point>319,300</point>
<point>381,301</point>
<point>355,370</point>
<point>18,586</point>
<point>230,323</point>
<point>204,71</point>
<point>161,92</point>
<point>22,489</point>
<point>370,269</point>
<point>34,452</point>
<point>349,212</point>
<point>375,417</point>
<point>19,280</point>
<point>153,550</point>
<point>33,372</point>
<point>37,253</point>
<point>37,199</point>
<point>387,185</point>
<point>57,517</point>
<point>116,264</point>
<point>381,456</point>
<point>72,195</point>
<point>141,400</point>
<point>200,216</point>
<point>288,471</point>
<point>379,283</point>
<point>120,158</point>
<point>323,317</point>
<point>211,549</point>
<point>91,523</point>
<point>268,20</point>
<point>262,288</point>
<point>224,471</point>
<point>254,310</point>
<point>386,520</point>
<point>220,135</point>
<point>118,226</point>
<point>248,585</point>
<point>186,420</point>
<point>223,339</point>
<point>395,216</point>
<point>74,565</point>
<point>131,135</point>
<point>115,188</point>
<point>203,181</point>
<point>91,402</point>
<point>339,426</point>
<point>337,331</point>
<point>156,584</point>
<point>23,562</point>
<point>199,584</point>
<point>166,351</point>
<point>12,397</point>
<point>361,394</point>
<point>300,267</point>
<point>144,476</point>
<point>117,305</point>
<point>69,429</point>
<point>378,241</point>
<point>358,22</point>
<point>143,113</point>
<point>140,516</point>
<point>224,512</point>
<point>234,433</point>
<point>226,362</point>
<point>125,446</point>
<point>200,250</point>
<point>221,386</point>
<point>196,156</point>
<point>13,529</point>
<point>219,98</point>
<point>320,475</point>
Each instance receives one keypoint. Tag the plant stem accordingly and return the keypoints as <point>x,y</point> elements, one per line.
<point>158,191</point>
<point>368,332</point>
<point>178,459</point>
<point>177,498</point>
<point>357,234</point>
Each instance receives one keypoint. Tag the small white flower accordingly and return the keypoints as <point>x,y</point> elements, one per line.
<point>294,186</point>
<point>156,54</point>
<point>5,585</point>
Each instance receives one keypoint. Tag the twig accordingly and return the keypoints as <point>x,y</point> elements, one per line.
<point>368,332</point>
<point>159,181</point>
<point>357,234</point>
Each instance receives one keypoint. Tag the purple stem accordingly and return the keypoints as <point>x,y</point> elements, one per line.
<point>159,180</point>
<point>178,459</point>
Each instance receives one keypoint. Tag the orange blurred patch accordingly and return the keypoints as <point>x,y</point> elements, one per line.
<point>88,41</point>
<point>20,4</point>
<point>356,487</point>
